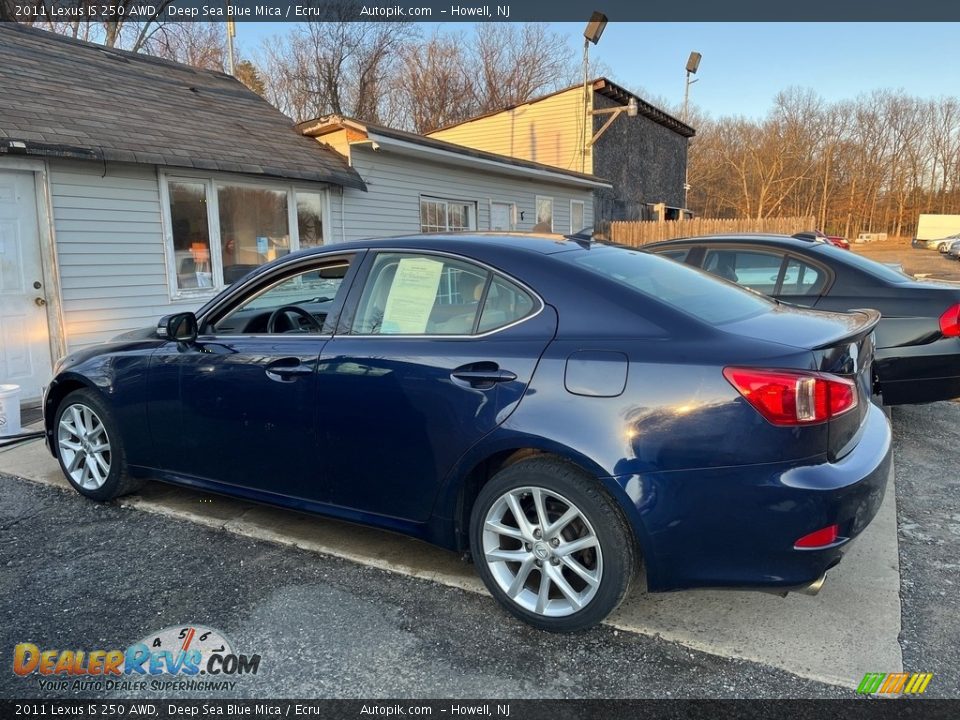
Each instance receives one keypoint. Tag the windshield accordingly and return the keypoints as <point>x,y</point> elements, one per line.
<point>680,286</point>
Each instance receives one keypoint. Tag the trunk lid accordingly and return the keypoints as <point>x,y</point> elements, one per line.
<point>841,344</point>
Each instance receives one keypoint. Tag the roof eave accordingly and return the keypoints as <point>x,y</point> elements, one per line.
<point>24,148</point>
<point>457,158</point>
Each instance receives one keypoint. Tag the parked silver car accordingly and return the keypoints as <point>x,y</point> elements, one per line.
<point>942,244</point>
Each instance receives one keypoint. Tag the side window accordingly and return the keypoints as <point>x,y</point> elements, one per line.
<point>407,294</point>
<point>802,279</point>
<point>678,255</point>
<point>297,303</point>
<point>753,269</point>
<point>505,304</point>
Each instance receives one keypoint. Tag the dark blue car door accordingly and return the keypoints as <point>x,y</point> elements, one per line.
<point>431,355</point>
<point>239,406</point>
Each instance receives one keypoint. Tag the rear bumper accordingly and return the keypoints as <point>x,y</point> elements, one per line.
<point>736,526</point>
<point>919,373</point>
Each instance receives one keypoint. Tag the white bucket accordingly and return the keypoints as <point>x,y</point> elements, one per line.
<point>9,410</point>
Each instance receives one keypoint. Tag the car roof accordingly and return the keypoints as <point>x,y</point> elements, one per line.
<point>536,243</point>
<point>784,241</point>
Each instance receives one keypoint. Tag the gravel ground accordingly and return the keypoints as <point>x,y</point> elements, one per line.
<point>928,518</point>
<point>80,575</point>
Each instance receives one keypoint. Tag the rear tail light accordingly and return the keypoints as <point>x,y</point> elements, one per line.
<point>820,538</point>
<point>950,322</point>
<point>789,397</point>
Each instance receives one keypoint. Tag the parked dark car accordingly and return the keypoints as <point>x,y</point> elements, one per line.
<point>918,339</point>
<point>558,408</point>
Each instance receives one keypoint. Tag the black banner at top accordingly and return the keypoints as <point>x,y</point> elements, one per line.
<point>482,10</point>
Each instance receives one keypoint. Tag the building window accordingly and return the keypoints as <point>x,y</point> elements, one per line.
<point>220,231</point>
<point>439,215</point>
<point>254,228</point>
<point>576,216</point>
<point>310,219</point>
<point>190,231</point>
<point>544,214</point>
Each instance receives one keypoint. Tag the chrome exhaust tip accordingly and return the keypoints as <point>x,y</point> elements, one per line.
<point>814,587</point>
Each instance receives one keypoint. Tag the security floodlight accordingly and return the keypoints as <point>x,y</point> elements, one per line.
<point>693,62</point>
<point>632,108</point>
<point>598,21</point>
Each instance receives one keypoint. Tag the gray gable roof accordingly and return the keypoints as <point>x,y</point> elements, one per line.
<point>68,98</point>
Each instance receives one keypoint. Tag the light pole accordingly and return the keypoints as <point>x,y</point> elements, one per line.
<point>231,33</point>
<point>693,63</point>
<point>591,34</point>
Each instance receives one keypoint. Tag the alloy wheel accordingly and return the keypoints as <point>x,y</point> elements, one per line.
<point>84,446</point>
<point>542,551</point>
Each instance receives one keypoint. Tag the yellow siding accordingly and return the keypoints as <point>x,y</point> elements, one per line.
<point>547,131</point>
<point>340,140</point>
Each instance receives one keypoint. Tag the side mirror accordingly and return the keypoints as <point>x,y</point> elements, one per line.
<point>181,327</point>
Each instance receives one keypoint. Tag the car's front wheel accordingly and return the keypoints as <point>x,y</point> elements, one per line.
<point>551,545</point>
<point>90,448</point>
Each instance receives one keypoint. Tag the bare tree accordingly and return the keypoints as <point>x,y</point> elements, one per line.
<point>516,62</point>
<point>335,66</point>
<point>120,24</point>
<point>200,44</point>
<point>433,85</point>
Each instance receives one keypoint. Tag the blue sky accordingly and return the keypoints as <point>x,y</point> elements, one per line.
<point>745,64</point>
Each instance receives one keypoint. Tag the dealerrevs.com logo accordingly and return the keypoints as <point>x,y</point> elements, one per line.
<point>199,658</point>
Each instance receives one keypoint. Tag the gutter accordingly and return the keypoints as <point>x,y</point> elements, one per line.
<point>448,156</point>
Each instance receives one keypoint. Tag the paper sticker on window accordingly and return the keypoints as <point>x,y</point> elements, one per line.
<point>412,296</point>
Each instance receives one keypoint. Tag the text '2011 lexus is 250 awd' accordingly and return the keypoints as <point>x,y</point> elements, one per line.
<point>567,412</point>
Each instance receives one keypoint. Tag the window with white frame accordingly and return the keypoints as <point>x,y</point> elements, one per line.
<point>576,216</point>
<point>440,215</point>
<point>544,214</point>
<point>219,230</point>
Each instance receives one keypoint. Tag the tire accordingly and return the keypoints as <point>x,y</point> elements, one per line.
<point>90,449</point>
<point>503,551</point>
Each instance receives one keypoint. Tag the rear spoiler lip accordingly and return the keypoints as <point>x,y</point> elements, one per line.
<point>869,324</point>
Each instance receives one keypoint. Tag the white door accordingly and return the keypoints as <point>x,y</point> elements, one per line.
<point>501,216</point>
<point>24,340</point>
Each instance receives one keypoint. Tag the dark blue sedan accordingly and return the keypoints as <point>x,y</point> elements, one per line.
<point>559,409</point>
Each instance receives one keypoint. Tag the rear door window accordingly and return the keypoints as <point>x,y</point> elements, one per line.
<point>412,294</point>
<point>679,254</point>
<point>802,279</point>
<point>757,270</point>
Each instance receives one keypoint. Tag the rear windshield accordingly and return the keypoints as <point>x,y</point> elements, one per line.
<point>680,286</point>
<point>871,267</point>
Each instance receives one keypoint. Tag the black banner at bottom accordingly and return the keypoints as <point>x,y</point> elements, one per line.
<point>865,708</point>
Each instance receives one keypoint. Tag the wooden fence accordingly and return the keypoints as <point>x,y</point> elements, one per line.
<point>642,232</point>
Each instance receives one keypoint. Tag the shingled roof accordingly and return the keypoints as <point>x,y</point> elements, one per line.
<point>62,97</point>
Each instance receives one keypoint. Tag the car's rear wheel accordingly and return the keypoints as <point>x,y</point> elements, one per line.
<point>551,545</point>
<point>90,448</point>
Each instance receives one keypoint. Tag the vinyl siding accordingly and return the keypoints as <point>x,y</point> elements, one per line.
<point>395,183</point>
<point>110,244</point>
<point>109,241</point>
<point>547,131</point>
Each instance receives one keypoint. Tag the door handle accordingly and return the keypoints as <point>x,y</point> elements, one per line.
<point>39,302</point>
<point>287,370</point>
<point>481,375</point>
